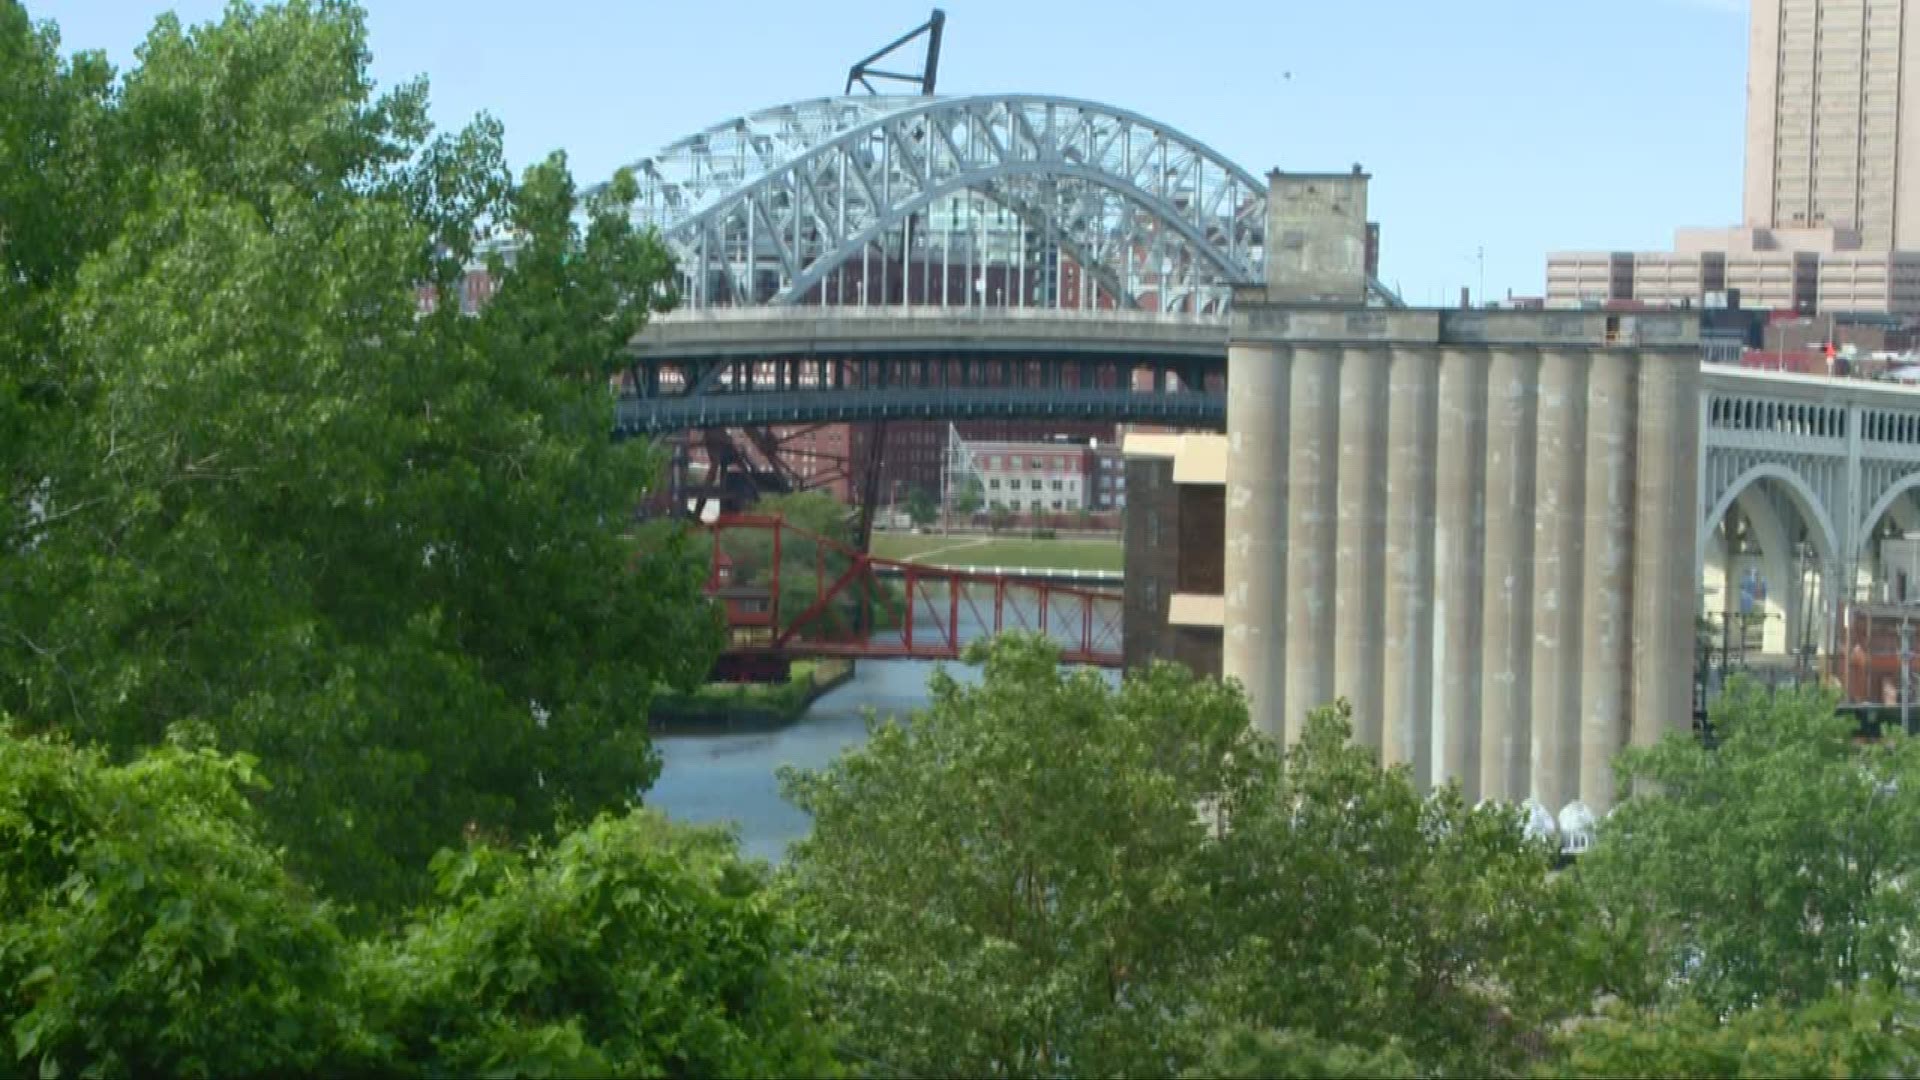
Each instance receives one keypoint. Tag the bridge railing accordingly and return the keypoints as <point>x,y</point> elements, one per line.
<point>789,592</point>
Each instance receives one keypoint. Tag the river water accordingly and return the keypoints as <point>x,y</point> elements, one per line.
<point>730,778</point>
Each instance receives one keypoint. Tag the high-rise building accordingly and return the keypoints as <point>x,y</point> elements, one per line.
<point>1833,119</point>
<point>1832,215</point>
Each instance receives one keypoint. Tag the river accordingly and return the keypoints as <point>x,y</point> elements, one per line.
<point>716,778</point>
<point>730,778</point>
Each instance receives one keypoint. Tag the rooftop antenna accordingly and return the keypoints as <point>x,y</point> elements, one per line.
<point>860,72</point>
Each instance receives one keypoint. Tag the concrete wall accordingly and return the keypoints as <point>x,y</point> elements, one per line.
<point>1317,236</point>
<point>1473,525</point>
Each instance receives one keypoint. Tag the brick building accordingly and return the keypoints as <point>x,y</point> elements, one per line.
<point>1033,477</point>
<point>915,452</point>
<point>1174,607</point>
<point>1107,479</point>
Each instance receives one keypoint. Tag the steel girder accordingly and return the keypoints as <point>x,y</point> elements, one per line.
<point>762,209</point>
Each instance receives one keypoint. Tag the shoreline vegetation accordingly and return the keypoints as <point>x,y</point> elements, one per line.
<point>726,708</point>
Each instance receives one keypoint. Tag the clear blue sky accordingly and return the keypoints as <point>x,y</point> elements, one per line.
<point>1520,126</point>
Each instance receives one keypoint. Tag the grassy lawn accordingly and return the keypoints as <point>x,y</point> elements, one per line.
<point>900,545</point>
<point>985,551</point>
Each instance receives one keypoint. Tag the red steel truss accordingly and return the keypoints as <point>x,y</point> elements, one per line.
<point>791,594</point>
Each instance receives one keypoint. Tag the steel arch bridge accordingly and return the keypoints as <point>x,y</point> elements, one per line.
<point>1026,200</point>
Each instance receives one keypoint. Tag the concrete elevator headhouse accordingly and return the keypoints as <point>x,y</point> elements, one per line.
<point>1475,525</point>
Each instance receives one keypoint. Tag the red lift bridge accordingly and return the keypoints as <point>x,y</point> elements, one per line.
<point>793,594</point>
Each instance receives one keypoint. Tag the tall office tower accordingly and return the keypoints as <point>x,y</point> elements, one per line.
<point>1833,119</point>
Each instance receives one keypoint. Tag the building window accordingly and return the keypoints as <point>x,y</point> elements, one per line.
<point>1057,486</point>
<point>993,485</point>
<point>1153,528</point>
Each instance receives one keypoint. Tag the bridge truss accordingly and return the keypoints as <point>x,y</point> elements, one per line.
<point>984,201</point>
<point>790,593</point>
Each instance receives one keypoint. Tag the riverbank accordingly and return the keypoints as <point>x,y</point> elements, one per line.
<point>743,708</point>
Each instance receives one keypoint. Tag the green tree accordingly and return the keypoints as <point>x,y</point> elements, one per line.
<point>1846,1034</point>
<point>1045,874</point>
<point>1391,923</point>
<point>53,112</point>
<point>1241,1051</point>
<point>999,518</point>
<point>380,550</point>
<point>809,512</point>
<point>148,928</point>
<point>630,948</point>
<point>921,507</point>
<point>1778,865</point>
<point>807,565</point>
<point>971,497</point>
<point>1017,881</point>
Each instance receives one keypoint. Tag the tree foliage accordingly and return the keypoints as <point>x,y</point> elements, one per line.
<point>377,548</point>
<point>147,928</point>
<point>1018,877</point>
<point>922,509</point>
<point>1242,1051</point>
<point>1044,874</point>
<point>970,498</point>
<point>1777,865</point>
<point>630,948</point>
<point>1373,917</point>
<point>1844,1034</point>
